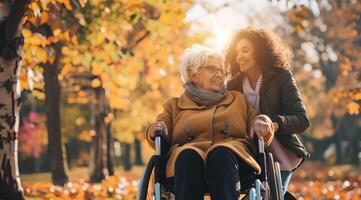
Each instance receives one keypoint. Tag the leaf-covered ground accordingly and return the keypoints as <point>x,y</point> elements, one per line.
<point>310,182</point>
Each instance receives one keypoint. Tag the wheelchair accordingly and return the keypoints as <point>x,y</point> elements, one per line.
<point>265,186</point>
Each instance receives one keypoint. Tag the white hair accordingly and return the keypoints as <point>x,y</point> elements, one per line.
<point>195,57</point>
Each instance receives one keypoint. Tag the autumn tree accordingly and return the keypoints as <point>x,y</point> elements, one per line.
<point>11,41</point>
<point>329,60</point>
<point>152,73</point>
<point>122,62</point>
<point>48,30</point>
<point>111,32</point>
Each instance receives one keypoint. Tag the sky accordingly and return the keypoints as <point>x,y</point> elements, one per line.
<point>221,20</point>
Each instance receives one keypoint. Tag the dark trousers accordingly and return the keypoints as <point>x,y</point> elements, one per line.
<point>221,175</point>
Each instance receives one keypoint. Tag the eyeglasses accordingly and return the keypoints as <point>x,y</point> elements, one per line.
<point>214,70</point>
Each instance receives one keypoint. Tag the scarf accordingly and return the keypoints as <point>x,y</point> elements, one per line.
<point>204,97</point>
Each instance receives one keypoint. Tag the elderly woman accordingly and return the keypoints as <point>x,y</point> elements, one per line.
<point>260,64</point>
<point>208,130</point>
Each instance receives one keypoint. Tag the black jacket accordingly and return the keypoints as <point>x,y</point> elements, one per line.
<point>281,101</point>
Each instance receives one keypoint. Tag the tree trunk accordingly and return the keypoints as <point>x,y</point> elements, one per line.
<point>356,146</point>
<point>350,132</point>
<point>98,152</point>
<point>56,150</point>
<point>337,136</point>
<point>10,56</point>
<point>110,146</point>
<point>126,157</point>
<point>138,152</point>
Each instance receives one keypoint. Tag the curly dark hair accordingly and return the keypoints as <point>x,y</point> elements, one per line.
<point>271,51</point>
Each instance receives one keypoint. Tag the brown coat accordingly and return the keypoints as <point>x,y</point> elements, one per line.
<point>201,128</point>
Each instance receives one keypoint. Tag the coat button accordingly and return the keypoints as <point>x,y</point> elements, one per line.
<point>190,138</point>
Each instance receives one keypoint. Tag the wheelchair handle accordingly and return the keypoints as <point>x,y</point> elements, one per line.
<point>260,145</point>
<point>158,141</point>
<point>261,157</point>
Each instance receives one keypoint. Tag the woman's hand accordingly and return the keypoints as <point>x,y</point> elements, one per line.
<point>262,126</point>
<point>157,126</point>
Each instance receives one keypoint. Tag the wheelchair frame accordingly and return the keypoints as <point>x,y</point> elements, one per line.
<point>266,186</point>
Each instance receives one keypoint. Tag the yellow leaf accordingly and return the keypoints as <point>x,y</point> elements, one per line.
<point>85,136</point>
<point>51,59</point>
<point>77,60</point>
<point>353,108</point>
<point>79,121</point>
<point>117,103</point>
<point>44,43</point>
<point>35,8</point>
<point>82,93</point>
<point>57,32</point>
<point>24,84</point>
<point>44,17</point>
<point>39,95</point>
<point>67,36</point>
<point>66,50</point>
<point>71,100</point>
<point>66,69</point>
<point>67,4</point>
<point>26,33</point>
<point>53,39</point>
<point>34,40</point>
<point>95,83</point>
<point>41,55</point>
<point>74,40</point>
<point>82,100</point>
<point>96,69</point>
<point>357,96</point>
<point>104,77</point>
<point>82,3</point>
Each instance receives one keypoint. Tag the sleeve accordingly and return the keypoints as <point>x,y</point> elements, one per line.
<point>251,114</point>
<point>167,117</point>
<point>294,119</point>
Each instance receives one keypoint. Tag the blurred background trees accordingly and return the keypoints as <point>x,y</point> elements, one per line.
<point>330,53</point>
<point>94,73</point>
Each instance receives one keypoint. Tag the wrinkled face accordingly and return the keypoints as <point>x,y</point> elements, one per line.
<point>210,77</point>
<point>245,55</point>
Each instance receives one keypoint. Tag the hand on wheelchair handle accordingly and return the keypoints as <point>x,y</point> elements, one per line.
<point>156,128</point>
<point>261,127</point>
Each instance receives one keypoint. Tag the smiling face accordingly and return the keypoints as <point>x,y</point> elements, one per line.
<point>210,77</point>
<point>245,55</point>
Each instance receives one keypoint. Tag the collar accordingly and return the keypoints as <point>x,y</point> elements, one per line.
<point>186,103</point>
<point>247,88</point>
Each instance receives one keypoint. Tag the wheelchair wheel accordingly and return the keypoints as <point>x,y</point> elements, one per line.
<point>144,182</point>
<point>279,180</point>
<point>272,180</point>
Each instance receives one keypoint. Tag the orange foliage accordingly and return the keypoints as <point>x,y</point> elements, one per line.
<point>310,182</point>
